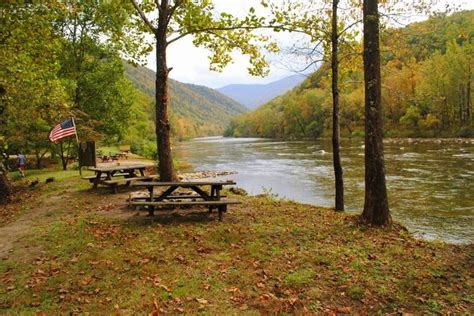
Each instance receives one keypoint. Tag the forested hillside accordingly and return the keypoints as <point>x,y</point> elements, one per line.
<point>196,110</point>
<point>427,78</point>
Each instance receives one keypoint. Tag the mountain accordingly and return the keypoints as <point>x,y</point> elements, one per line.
<point>427,89</point>
<point>253,95</point>
<point>202,109</point>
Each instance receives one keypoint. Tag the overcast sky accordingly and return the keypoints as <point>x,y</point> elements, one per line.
<point>191,65</point>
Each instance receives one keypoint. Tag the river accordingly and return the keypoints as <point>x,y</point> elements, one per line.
<point>429,181</point>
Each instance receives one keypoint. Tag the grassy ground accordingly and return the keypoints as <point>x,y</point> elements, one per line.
<point>92,254</point>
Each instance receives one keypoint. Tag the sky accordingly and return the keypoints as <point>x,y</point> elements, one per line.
<point>191,64</point>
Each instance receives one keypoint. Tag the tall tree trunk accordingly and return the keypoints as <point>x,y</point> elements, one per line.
<point>338,173</point>
<point>65,158</point>
<point>161,98</point>
<point>376,209</point>
<point>468,96</point>
<point>38,158</point>
<point>461,104</point>
<point>5,185</point>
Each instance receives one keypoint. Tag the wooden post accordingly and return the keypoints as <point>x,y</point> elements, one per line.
<point>77,141</point>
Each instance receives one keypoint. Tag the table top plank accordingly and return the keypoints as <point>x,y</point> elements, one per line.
<point>182,184</point>
<point>175,203</point>
<point>117,168</point>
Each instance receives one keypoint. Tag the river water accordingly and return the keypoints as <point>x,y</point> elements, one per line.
<point>430,182</point>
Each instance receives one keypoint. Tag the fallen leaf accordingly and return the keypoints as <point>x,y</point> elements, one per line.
<point>344,310</point>
<point>87,281</point>
<point>155,304</point>
<point>202,301</point>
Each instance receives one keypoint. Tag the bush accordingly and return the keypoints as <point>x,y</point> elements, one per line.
<point>359,134</point>
<point>465,132</point>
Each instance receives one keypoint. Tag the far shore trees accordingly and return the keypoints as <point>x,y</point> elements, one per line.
<point>376,209</point>
<point>221,33</point>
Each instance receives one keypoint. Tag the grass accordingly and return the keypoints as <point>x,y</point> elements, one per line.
<point>107,150</point>
<point>266,257</point>
<point>42,174</point>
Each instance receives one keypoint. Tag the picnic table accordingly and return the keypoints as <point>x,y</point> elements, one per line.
<point>112,176</point>
<point>195,195</point>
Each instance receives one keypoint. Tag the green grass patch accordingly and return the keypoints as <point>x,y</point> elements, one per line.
<point>265,257</point>
<point>42,174</point>
<point>299,277</point>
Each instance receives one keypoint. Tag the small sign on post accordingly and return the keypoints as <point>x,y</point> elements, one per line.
<point>86,153</point>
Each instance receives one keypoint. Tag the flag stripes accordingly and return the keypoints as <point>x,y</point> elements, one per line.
<point>62,130</point>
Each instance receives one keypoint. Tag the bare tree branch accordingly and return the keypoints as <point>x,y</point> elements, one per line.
<point>232,28</point>
<point>173,8</point>
<point>349,55</point>
<point>348,27</point>
<point>157,2</point>
<point>143,16</point>
<point>224,38</point>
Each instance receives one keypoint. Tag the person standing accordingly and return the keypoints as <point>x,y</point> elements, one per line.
<point>21,164</point>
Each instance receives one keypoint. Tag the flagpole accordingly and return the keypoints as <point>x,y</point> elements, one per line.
<point>74,123</point>
<point>77,140</point>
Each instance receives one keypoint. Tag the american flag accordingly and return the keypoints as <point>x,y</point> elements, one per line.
<point>60,131</point>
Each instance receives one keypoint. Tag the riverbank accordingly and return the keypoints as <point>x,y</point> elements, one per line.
<point>72,249</point>
<point>428,180</point>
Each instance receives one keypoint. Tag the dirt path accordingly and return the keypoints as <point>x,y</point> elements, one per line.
<point>46,208</point>
<point>62,198</point>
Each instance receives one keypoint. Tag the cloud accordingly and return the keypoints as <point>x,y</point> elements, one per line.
<point>191,64</point>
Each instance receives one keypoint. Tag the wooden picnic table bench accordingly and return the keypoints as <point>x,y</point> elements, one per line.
<point>112,176</point>
<point>201,197</point>
<point>125,149</point>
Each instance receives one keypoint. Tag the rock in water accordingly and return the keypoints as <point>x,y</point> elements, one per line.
<point>238,191</point>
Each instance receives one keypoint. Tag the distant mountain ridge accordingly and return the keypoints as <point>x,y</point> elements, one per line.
<point>206,109</point>
<point>254,95</point>
<point>425,69</point>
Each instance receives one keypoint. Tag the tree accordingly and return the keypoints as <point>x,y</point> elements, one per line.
<point>33,94</point>
<point>5,185</point>
<point>338,173</point>
<point>220,33</point>
<point>93,35</point>
<point>376,209</point>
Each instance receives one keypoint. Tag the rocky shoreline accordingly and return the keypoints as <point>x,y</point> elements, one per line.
<point>188,176</point>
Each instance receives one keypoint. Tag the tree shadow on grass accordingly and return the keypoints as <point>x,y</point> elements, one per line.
<point>173,217</point>
<point>105,190</point>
